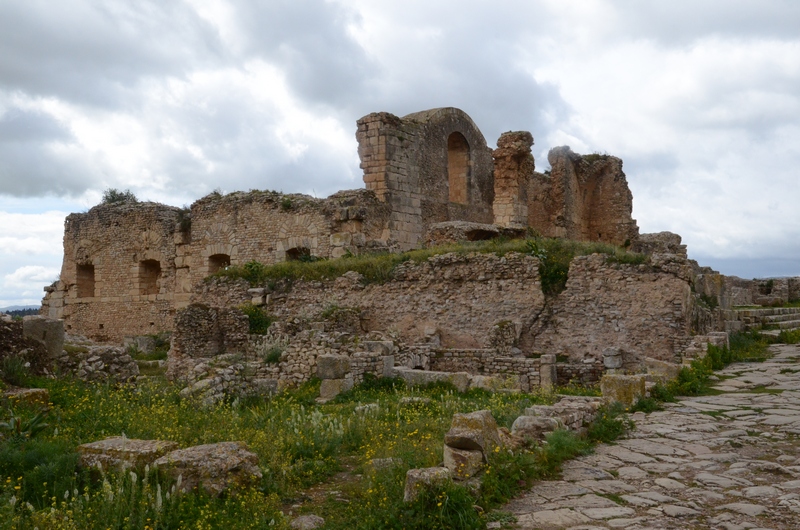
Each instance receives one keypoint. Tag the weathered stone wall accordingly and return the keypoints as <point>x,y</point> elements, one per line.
<point>513,169</point>
<point>584,197</point>
<point>431,167</point>
<point>118,276</point>
<point>641,309</point>
<point>450,300</point>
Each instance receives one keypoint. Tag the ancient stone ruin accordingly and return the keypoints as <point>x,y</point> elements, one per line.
<point>476,320</point>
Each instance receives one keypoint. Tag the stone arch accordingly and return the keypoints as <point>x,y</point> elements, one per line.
<point>298,254</point>
<point>217,262</point>
<point>302,232</point>
<point>458,168</point>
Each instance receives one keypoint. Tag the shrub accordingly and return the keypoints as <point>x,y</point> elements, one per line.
<point>15,371</point>
<point>611,423</point>
<point>258,319</point>
<point>115,196</point>
<point>273,355</point>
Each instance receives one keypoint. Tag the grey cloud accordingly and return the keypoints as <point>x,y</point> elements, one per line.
<point>31,170</point>
<point>19,125</point>
<point>680,22</point>
<point>92,52</point>
<point>310,41</point>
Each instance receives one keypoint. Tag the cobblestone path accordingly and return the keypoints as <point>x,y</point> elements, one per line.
<point>730,461</point>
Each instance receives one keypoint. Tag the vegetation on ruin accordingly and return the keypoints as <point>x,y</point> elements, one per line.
<point>259,320</point>
<point>554,257</point>
<point>299,443</point>
<point>115,196</point>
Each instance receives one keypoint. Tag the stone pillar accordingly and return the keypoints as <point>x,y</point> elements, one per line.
<point>547,372</point>
<point>513,167</point>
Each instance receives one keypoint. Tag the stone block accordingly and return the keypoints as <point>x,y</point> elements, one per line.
<point>330,388</point>
<point>463,464</point>
<point>213,467</point>
<point>382,347</point>
<point>332,366</point>
<point>474,431</point>
<point>495,383</point>
<point>30,396</point>
<point>625,389</point>
<point>548,376</point>
<point>612,358</point>
<point>388,366</point>
<point>662,370</point>
<point>145,343</point>
<point>46,331</point>
<point>417,479</point>
<point>307,522</point>
<point>341,239</point>
<point>118,453</point>
<point>423,377</point>
<point>535,427</point>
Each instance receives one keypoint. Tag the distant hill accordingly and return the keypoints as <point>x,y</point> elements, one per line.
<point>20,310</point>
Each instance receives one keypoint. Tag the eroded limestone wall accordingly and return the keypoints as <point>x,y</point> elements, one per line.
<point>432,166</point>
<point>118,275</point>
<point>584,198</point>
<point>643,310</point>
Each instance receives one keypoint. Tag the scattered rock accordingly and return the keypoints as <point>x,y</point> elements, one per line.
<point>214,467</point>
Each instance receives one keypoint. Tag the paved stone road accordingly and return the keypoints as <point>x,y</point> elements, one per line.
<point>728,462</point>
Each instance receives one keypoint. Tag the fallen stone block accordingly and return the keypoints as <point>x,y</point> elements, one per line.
<point>462,464</point>
<point>416,479</point>
<point>424,377</point>
<point>535,427</point>
<point>330,388</point>
<point>30,396</point>
<point>120,453</point>
<point>332,366</point>
<point>47,331</point>
<point>475,431</point>
<point>495,383</point>
<point>307,522</point>
<point>663,372</point>
<point>214,467</point>
<point>625,389</point>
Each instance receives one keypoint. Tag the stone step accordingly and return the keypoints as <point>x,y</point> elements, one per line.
<point>745,314</point>
<point>789,324</point>
<point>774,319</point>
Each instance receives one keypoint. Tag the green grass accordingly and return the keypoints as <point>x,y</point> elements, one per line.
<point>554,256</point>
<point>299,444</point>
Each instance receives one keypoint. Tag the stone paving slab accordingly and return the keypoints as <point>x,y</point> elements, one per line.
<point>729,462</point>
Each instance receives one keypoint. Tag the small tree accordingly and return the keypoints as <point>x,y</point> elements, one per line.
<point>115,196</point>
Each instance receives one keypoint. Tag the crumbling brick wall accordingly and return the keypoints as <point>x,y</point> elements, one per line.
<point>584,198</point>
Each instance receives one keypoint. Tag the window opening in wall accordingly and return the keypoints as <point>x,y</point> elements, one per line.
<point>218,262</point>
<point>85,277</point>
<point>298,254</point>
<point>457,167</point>
<point>149,275</point>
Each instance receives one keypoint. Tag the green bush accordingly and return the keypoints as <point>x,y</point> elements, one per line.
<point>258,319</point>
<point>115,196</point>
<point>611,423</point>
<point>273,355</point>
<point>14,371</point>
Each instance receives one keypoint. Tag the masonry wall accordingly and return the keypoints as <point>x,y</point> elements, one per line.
<point>644,310</point>
<point>118,275</point>
<point>432,166</point>
<point>584,198</point>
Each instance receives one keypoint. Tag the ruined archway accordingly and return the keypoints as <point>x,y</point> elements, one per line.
<point>218,262</point>
<point>458,166</point>
<point>298,254</point>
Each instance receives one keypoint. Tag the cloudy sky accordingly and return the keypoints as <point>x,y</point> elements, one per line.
<point>700,98</point>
